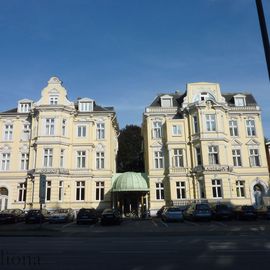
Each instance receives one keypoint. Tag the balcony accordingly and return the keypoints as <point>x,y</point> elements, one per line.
<point>51,171</point>
<point>175,170</point>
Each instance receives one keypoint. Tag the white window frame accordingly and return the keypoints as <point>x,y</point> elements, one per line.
<point>254,157</point>
<point>80,190</point>
<point>24,107</point>
<point>100,131</point>
<point>181,190</point>
<point>81,159</point>
<point>85,106</point>
<point>198,155</point>
<point>239,101</point>
<point>24,161</point>
<point>61,191</point>
<point>81,131</point>
<point>178,158</point>
<point>64,127</point>
<point>50,126</point>
<point>211,122</point>
<point>21,192</point>
<point>100,160</point>
<point>5,161</point>
<point>47,157</point>
<point>176,130</point>
<point>195,124</point>
<point>240,189</point>
<point>53,100</point>
<point>213,154</point>
<point>217,188</point>
<point>158,159</point>
<point>62,158</point>
<point>160,191</point>
<point>157,129</point>
<point>100,191</point>
<point>26,132</point>
<point>237,159</point>
<point>250,127</point>
<point>48,195</point>
<point>233,126</point>
<point>8,132</point>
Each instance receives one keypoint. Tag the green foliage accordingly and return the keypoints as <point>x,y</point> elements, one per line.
<point>130,154</point>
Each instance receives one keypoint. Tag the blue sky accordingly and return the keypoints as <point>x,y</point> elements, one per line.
<point>123,52</point>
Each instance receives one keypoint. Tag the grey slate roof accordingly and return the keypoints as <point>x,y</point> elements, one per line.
<point>177,99</point>
<point>250,100</point>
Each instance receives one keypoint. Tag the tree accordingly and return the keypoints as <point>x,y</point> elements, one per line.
<point>130,154</point>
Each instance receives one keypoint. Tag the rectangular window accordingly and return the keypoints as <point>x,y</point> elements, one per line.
<point>53,100</point>
<point>62,158</point>
<point>213,155</point>
<point>24,161</point>
<point>50,126</point>
<point>178,158</point>
<point>64,125</point>
<point>176,130</point>
<point>236,154</point>
<point>5,161</point>
<point>8,132</point>
<point>216,188</point>
<point>85,106</point>
<point>22,192</point>
<point>210,122</point>
<point>48,157</point>
<point>198,155</point>
<point>240,189</point>
<point>100,160</point>
<point>80,190</point>
<point>254,157</point>
<point>81,158</point>
<point>81,131</point>
<point>157,129</point>
<point>100,191</point>
<point>48,190</point>
<point>181,190</point>
<point>233,128</point>
<point>100,131</point>
<point>250,125</point>
<point>158,159</point>
<point>24,107</point>
<point>159,191</point>
<point>60,190</point>
<point>239,101</point>
<point>195,124</point>
<point>26,132</point>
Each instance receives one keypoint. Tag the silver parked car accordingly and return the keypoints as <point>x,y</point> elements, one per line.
<point>172,214</point>
<point>61,216</point>
<point>198,211</point>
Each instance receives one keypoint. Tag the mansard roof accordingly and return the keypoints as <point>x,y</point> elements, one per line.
<point>229,97</point>
<point>14,110</point>
<point>177,98</point>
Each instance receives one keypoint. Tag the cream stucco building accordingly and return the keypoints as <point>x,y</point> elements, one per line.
<point>73,143</point>
<point>204,144</point>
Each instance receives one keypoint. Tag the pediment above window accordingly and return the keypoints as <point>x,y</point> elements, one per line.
<point>252,142</point>
<point>236,142</point>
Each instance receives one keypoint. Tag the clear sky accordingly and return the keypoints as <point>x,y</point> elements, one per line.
<point>123,52</point>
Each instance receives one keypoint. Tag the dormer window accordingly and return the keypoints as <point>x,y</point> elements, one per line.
<point>53,100</point>
<point>240,100</point>
<point>204,96</point>
<point>85,105</point>
<point>166,101</point>
<point>24,106</point>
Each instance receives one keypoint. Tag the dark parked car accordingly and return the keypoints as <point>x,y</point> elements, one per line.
<point>172,214</point>
<point>198,211</point>
<point>87,215</point>
<point>12,216</point>
<point>111,216</point>
<point>222,211</point>
<point>160,211</point>
<point>35,216</point>
<point>61,215</point>
<point>245,212</point>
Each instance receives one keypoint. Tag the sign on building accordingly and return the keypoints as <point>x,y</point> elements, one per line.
<point>42,188</point>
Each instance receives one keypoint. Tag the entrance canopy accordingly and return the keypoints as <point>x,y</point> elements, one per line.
<point>130,181</point>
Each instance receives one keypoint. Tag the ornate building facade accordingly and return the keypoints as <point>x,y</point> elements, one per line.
<point>205,145</point>
<point>73,143</point>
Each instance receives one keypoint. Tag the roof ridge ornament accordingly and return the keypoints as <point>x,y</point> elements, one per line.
<point>54,80</point>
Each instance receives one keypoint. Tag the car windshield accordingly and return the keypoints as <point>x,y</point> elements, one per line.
<point>8,211</point>
<point>61,211</point>
<point>202,207</point>
<point>87,211</point>
<point>174,210</point>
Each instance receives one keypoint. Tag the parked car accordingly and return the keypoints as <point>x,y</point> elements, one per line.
<point>111,216</point>
<point>172,214</point>
<point>245,212</point>
<point>160,211</point>
<point>12,216</point>
<point>61,215</point>
<point>35,216</point>
<point>222,211</point>
<point>198,211</point>
<point>87,215</point>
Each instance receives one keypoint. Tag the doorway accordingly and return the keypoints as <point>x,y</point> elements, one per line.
<point>3,198</point>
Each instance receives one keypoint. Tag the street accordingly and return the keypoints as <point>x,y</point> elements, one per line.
<point>135,244</point>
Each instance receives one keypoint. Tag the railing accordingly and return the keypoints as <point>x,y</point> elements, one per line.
<point>160,109</point>
<point>178,170</point>
<point>245,108</point>
<point>213,168</point>
<point>52,171</point>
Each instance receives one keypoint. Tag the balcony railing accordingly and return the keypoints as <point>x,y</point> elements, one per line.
<point>51,171</point>
<point>178,170</point>
<point>213,168</point>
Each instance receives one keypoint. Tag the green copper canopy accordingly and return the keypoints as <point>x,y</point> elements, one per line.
<point>130,181</point>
